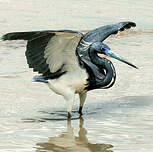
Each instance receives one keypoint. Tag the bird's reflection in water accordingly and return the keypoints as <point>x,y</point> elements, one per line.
<point>68,142</point>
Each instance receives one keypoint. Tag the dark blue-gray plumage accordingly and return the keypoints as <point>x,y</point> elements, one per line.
<point>68,60</point>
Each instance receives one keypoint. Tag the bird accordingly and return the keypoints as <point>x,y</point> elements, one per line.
<point>68,61</point>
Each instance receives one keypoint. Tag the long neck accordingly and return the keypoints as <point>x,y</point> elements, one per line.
<point>104,64</point>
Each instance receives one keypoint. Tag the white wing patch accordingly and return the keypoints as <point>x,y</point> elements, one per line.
<point>60,51</point>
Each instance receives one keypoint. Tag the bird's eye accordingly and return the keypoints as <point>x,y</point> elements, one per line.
<point>102,49</point>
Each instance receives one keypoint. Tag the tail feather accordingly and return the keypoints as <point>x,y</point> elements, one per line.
<point>19,36</point>
<point>40,78</point>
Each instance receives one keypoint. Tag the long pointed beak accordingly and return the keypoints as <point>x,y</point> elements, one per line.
<point>116,56</point>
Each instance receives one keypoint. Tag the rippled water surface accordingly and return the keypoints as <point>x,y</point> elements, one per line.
<point>118,119</point>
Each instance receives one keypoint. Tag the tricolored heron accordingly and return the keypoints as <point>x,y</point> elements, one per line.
<point>68,60</point>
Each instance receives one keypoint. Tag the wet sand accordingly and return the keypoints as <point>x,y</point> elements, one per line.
<point>118,119</point>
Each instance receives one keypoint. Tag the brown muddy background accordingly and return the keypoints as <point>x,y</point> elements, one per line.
<point>119,119</point>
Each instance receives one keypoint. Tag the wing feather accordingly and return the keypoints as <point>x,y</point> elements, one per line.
<point>53,52</point>
<point>60,51</point>
<point>101,33</point>
<point>49,52</point>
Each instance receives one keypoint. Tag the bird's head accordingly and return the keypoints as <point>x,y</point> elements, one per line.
<point>102,48</point>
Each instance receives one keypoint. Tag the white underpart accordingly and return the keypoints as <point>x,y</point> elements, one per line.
<point>74,80</point>
<point>69,84</point>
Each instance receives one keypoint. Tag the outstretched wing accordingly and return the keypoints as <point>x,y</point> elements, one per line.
<point>49,52</point>
<point>101,33</point>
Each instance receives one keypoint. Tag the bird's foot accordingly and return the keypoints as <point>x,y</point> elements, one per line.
<point>69,115</point>
<point>80,111</point>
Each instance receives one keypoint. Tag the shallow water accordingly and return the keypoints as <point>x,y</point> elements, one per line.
<point>118,119</point>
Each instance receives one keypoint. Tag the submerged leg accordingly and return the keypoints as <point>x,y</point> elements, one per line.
<point>69,97</point>
<point>65,91</point>
<point>82,100</point>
